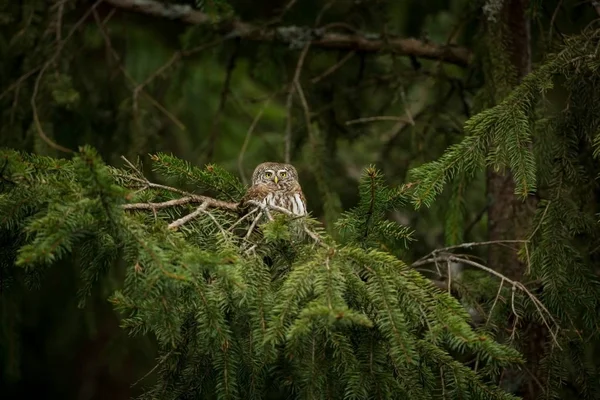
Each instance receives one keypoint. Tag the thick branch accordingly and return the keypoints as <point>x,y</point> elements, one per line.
<point>210,202</point>
<point>320,38</point>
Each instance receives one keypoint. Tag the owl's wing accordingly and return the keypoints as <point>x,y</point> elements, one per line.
<point>298,190</point>
<point>256,193</point>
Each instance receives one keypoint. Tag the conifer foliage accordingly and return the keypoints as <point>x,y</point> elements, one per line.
<point>322,319</point>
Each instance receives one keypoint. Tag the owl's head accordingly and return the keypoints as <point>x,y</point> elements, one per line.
<point>274,174</point>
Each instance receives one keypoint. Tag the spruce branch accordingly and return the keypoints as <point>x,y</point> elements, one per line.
<point>541,308</point>
<point>317,37</point>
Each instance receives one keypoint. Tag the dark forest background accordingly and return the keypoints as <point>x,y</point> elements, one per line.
<point>332,87</point>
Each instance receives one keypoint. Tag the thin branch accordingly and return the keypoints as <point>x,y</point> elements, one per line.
<point>136,91</point>
<point>59,47</point>
<point>164,358</point>
<point>333,68</point>
<point>239,221</point>
<point>128,76</point>
<point>247,140</point>
<point>305,108</point>
<point>223,232</point>
<point>179,222</point>
<point>189,198</point>
<point>214,130</point>
<point>467,246</point>
<point>292,87</point>
<point>380,118</point>
<point>253,225</point>
<point>515,284</point>
<point>321,38</point>
<point>165,204</point>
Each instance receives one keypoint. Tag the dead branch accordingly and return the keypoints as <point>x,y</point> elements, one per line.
<point>292,87</point>
<point>214,130</point>
<point>139,181</point>
<point>137,88</point>
<point>179,222</point>
<point>247,140</point>
<point>543,312</point>
<point>333,68</point>
<point>59,47</point>
<point>189,199</point>
<point>324,39</point>
<point>363,120</point>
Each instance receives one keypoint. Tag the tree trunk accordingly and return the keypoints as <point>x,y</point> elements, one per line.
<point>510,217</point>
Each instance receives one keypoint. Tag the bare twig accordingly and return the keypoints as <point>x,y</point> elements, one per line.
<point>293,86</point>
<point>223,231</point>
<point>214,130</point>
<point>59,17</point>
<point>190,198</point>
<point>380,118</point>
<point>36,117</point>
<point>60,45</point>
<point>136,91</point>
<point>324,39</point>
<point>179,222</point>
<point>333,68</point>
<point>18,82</point>
<point>128,76</point>
<point>253,225</point>
<point>542,310</point>
<point>468,246</point>
<point>247,140</point>
<point>244,217</point>
<point>158,364</point>
<point>554,15</point>
<point>305,108</point>
<point>165,204</point>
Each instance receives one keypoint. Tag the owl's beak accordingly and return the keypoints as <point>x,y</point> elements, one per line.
<point>276,179</point>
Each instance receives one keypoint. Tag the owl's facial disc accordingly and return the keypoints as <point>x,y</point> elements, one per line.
<point>270,175</point>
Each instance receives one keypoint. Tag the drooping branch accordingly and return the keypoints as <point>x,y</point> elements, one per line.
<point>445,256</point>
<point>318,37</point>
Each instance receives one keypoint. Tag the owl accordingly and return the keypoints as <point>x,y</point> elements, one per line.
<point>276,184</point>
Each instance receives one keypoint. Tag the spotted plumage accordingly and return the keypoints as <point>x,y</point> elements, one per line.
<point>276,184</point>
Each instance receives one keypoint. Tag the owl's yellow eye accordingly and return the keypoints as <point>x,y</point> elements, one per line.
<point>283,174</point>
<point>268,174</point>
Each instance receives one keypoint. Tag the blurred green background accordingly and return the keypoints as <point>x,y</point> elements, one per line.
<point>125,83</point>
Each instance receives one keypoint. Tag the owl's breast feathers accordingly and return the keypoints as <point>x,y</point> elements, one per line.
<point>289,197</point>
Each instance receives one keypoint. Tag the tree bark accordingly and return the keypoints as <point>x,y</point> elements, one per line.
<point>510,217</point>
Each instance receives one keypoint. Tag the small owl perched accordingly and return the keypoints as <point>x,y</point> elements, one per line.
<point>275,184</point>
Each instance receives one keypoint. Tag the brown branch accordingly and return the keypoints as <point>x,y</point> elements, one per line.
<point>164,204</point>
<point>324,39</point>
<point>293,86</point>
<point>247,140</point>
<point>364,120</point>
<point>137,87</point>
<point>333,68</point>
<point>540,307</point>
<point>189,199</point>
<point>214,131</point>
<point>177,223</point>
<point>59,47</point>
